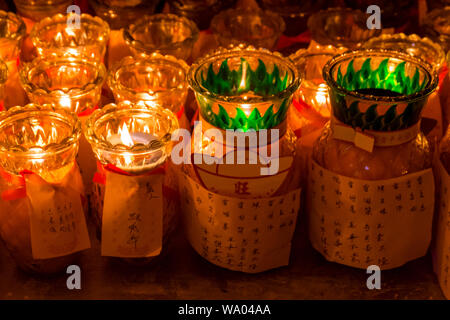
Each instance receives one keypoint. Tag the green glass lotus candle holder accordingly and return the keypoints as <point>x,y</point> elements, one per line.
<point>244,88</point>
<point>379,90</point>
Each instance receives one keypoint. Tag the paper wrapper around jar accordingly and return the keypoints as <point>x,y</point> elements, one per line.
<point>53,212</point>
<point>441,246</point>
<point>370,222</point>
<point>249,235</point>
<point>135,212</point>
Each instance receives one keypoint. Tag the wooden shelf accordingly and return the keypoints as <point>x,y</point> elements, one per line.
<point>182,274</point>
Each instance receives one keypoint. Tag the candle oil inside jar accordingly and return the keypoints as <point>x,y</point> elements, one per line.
<point>379,92</point>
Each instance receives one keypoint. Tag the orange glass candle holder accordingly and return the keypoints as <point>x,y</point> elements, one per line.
<point>157,79</point>
<point>56,36</point>
<point>70,82</point>
<point>255,27</point>
<point>163,33</point>
<point>42,218</point>
<point>11,38</point>
<point>134,197</point>
<point>311,104</point>
<point>37,10</point>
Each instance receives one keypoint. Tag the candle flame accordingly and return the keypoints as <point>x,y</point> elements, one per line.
<point>125,136</point>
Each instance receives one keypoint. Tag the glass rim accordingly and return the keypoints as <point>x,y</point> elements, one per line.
<point>123,107</point>
<point>239,51</point>
<point>279,23</point>
<point>143,59</point>
<point>401,37</point>
<point>149,19</point>
<point>33,110</point>
<point>367,53</point>
<point>59,18</point>
<point>61,60</point>
<point>16,19</point>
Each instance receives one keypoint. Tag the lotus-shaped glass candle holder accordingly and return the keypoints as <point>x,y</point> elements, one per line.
<point>55,36</point>
<point>121,13</point>
<point>12,32</point>
<point>295,13</point>
<point>38,146</point>
<point>199,11</point>
<point>258,28</point>
<point>37,10</point>
<point>341,27</point>
<point>437,26</point>
<point>162,33</point>
<point>422,48</point>
<point>70,82</point>
<point>157,79</point>
<point>132,143</point>
<point>381,93</point>
<point>311,105</point>
<point>244,88</point>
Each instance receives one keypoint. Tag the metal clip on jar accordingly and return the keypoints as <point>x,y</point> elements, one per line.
<point>42,219</point>
<point>134,197</point>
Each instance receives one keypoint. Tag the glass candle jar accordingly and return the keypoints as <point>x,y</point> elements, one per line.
<point>340,27</point>
<point>199,11</point>
<point>56,36</point>
<point>163,33</point>
<point>121,13</point>
<point>133,202</point>
<point>37,10</point>
<point>255,27</point>
<point>41,219</point>
<point>156,79</point>
<point>295,13</point>
<point>431,52</point>
<point>437,26</point>
<point>371,187</point>
<point>378,91</point>
<point>311,104</point>
<point>242,91</point>
<point>71,82</point>
<point>11,38</point>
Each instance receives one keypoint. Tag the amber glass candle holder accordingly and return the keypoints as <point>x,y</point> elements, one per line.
<point>437,26</point>
<point>71,82</point>
<point>132,144</point>
<point>311,105</point>
<point>254,27</point>
<point>122,13</point>
<point>163,33</point>
<point>54,36</point>
<point>38,146</point>
<point>199,11</point>
<point>37,10</point>
<point>159,80</point>
<point>11,38</point>
<point>341,27</point>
